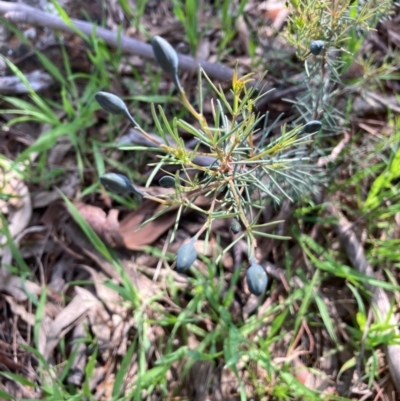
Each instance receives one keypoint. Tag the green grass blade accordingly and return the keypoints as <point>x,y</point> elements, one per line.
<point>85,227</point>
<point>40,312</point>
<point>123,370</point>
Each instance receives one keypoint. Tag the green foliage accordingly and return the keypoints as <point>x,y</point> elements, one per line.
<point>243,173</point>
<point>186,12</point>
<point>333,22</point>
<point>249,166</point>
<point>327,36</point>
<point>384,186</point>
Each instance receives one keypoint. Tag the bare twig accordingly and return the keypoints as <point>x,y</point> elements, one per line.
<point>12,85</point>
<point>380,301</point>
<point>336,151</point>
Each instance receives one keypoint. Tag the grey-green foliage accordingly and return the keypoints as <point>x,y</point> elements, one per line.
<point>248,165</point>
<point>326,36</point>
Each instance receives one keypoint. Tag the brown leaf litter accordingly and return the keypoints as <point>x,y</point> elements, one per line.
<point>58,253</point>
<point>17,207</point>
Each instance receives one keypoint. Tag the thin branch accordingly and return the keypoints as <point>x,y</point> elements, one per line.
<point>38,80</point>
<point>336,151</point>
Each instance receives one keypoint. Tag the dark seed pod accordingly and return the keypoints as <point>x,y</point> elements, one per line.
<point>236,227</point>
<point>186,256</point>
<point>312,126</point>
<point>257,279</point>
<point>111,103</point>
<point>116,183</point>
<point>165,55</point>
<point>167,181</point>
<point>316,47</point>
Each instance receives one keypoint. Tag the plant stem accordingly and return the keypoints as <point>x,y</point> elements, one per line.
<point>209,218</point>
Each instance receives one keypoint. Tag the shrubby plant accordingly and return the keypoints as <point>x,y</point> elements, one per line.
<point>248,165</point>
<point>317,25</point>
<point>327,35</point>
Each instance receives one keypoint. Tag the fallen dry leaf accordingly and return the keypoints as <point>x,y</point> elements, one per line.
<point>105,226</point>
<point>18,288</point>
<point>38,80</point>
<point>276,12</point>
<point>105,294</point>
<point>18,206</point>
<point>74,235</point>
<point>68,187</point>
<point>244,34</point>
<point>72,313</point>
<point>20,311</point>
<point>100,325</point>
<point>10,364</point>
<point>136,239</point>
<point>77,370</point>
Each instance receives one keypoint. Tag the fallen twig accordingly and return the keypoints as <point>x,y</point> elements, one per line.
<point>12,85</point>
<point>380,301</point>
<point>336,151</point>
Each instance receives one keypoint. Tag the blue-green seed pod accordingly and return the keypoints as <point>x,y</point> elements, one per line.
<point>186,256</point>
<point>167,181</point>
<point>257,279</point>
<point>165,55</point>
<point>236,227</point>
<point>111,103</point>
<point>117,183</point>
<point>312,126</point>
<point>316,47</point>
